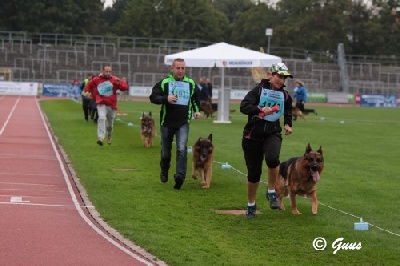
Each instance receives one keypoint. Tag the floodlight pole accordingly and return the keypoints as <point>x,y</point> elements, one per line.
<point>268,32</point>
<point>45,55</point>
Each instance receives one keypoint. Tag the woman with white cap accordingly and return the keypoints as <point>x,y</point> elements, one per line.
<point>265,105</point>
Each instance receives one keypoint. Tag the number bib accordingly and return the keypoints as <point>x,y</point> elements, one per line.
<point>270,98</point>
<point>105,88</point>
<point>181,90</point>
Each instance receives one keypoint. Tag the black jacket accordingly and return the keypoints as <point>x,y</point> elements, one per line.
<point>173,115</point>
<point>257,129</point>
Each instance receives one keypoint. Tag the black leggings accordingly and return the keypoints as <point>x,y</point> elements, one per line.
<point>255,152</point>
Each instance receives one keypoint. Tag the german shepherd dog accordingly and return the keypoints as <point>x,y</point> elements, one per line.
<point>148,129</point>
<point>208,108</point>
<point>203,157</point>
<point>297,112</point>
<point>299,176</point>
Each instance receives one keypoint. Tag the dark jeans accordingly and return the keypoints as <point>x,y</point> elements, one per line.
<point>167,137</point>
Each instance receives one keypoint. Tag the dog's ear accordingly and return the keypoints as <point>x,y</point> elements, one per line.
<point>308,149</point>
<point>320,150</point>
<point>142,115</point>
<point>210,137</point>
<point>150,113</point>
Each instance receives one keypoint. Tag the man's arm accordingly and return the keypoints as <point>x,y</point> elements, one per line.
<point>89,87</point>
<point>122,84</point>
<point>196,98</point>
<point>157,95</point>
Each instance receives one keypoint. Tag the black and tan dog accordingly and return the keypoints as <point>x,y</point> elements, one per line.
<point>296,112</point>
<point>203,157</point>
<point>299,176</point>
<point>148,129</point>
<point>207,108</point>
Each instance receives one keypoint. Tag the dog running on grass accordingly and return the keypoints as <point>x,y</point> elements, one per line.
<point>202,161</point>
<point>299,176</point>
<point>148,129</point>
<point>296,112</point>
<point>207,108</point>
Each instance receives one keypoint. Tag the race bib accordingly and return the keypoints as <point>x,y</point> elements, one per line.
<point>270,98</point>
<point>181,90</point>
<point>105,88</point>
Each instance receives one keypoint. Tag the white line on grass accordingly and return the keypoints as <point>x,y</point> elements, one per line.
<point>323,204</point>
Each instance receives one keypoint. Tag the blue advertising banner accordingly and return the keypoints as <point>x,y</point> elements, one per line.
<point>61,90</point>
<point>377,100</point>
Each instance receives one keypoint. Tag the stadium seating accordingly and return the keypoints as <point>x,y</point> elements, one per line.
<point>141,62</point>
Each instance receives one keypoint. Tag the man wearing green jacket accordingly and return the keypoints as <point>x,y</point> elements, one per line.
<point>178,96</point>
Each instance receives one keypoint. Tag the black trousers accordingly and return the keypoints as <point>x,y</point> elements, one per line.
<point>256,151</point>
<point>93,110</point>
<point>86,107</point>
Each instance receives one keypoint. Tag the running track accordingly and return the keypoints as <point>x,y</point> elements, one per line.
<point>43,220</point>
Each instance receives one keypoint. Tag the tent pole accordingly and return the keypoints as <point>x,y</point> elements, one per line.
<point>223,94</point>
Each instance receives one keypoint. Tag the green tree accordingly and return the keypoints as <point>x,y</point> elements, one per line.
<point>232,7</point>
<point>309,25</point>
<point>387,24</point>
<point>200,20</point>
<point>326,26</point>
<point>62,16</point>
<point>140,19</point>
<point>112,15</point>
<point>359,30</point>
<point>249,26</point>
<point>176,19</point>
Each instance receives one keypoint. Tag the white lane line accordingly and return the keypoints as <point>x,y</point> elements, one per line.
<point>40,204</point>
<point>18,200</point>
<point>6,199</point>
<point>76,203</point>
<point>27,174</point>
<point>23,156</point>
<point>9,116</point>
<point>27,184</point>
<point>35,204</point>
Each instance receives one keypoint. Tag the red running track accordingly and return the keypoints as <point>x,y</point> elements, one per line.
<point>43,220</point>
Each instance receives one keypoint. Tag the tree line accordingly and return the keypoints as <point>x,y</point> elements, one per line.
<point>313,25</point>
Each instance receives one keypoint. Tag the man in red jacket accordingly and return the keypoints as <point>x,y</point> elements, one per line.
<point>104,89</point>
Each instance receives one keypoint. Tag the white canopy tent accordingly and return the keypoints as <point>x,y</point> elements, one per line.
<point>223,55</point>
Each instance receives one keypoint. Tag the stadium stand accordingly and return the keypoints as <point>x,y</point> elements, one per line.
<point>62,58</point>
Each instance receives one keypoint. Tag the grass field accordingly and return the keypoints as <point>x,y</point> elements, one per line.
<point>361,179</point>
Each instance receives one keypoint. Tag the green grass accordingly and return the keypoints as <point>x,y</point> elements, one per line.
<point>361,179</point>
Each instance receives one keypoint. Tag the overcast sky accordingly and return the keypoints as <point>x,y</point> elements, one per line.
<point>107,3</point>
